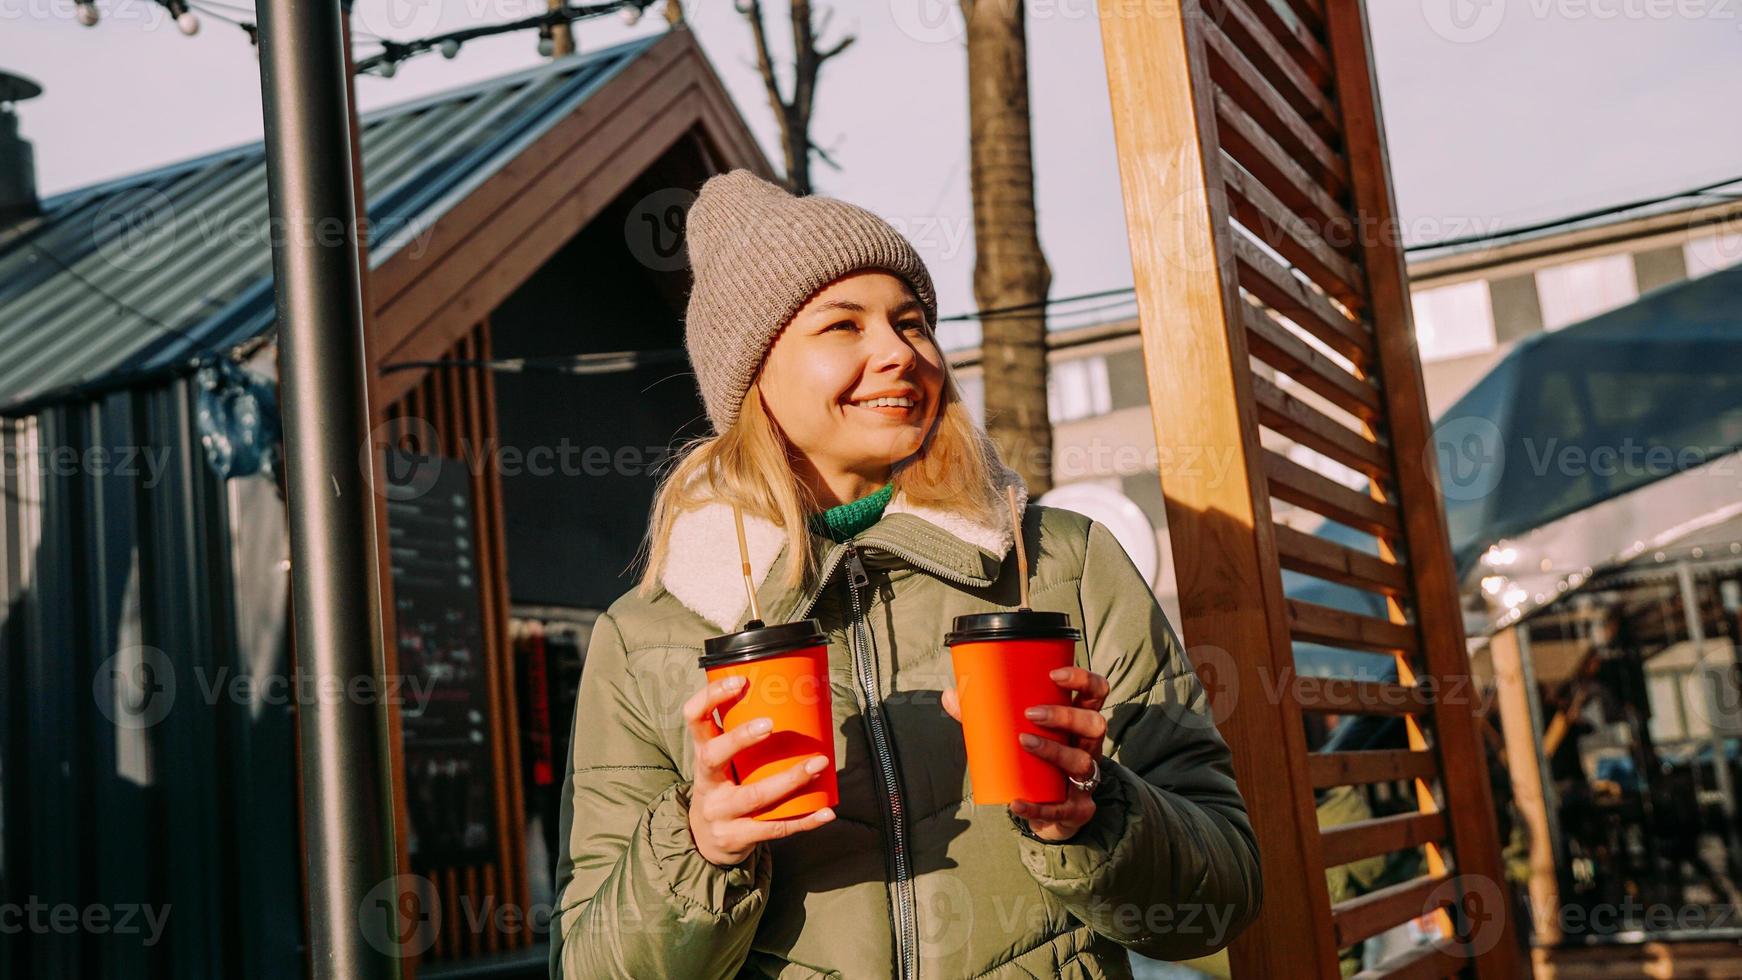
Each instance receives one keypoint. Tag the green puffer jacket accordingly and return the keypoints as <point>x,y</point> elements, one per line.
<point>911,879</point>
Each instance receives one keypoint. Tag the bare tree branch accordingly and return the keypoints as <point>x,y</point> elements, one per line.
<point>794,114</point>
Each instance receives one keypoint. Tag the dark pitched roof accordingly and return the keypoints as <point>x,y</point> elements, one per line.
<point>141,275</point>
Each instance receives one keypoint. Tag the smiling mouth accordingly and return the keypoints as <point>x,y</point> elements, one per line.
<point>895,408</point>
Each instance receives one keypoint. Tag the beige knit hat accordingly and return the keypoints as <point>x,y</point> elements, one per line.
<point>758,253</point>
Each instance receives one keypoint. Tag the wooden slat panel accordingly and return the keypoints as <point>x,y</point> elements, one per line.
<point>1335,627</point>
<point>1316,556</point>
<point>1221,525</point>
<point>1288,124</point>
<point>1258,151</point>
<point>1291,60</point>
<point>1290,416</point>
<point>1290,481</point>
<point>1456,726</point>
<point>1381,835</point>
<point>1301,45</point>
<point>1341,696</point>
<point>1369,915</point>
<point>1445,958</point>
<point>1293,237</point>
<point>1274,344</point>
<point>1310,12</point>
<point>1275,286</point>
<point>1365,768</point>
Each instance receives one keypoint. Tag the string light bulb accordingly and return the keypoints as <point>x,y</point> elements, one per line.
<point>631,14</point>
<point>86,13</point>
<point>186,20</point>
<point>546,43</point>
<point>450,49</point>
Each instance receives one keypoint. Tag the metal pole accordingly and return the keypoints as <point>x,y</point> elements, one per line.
<point>347,802</point>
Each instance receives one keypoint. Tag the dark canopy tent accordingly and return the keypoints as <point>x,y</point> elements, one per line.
<point>1567,420</point>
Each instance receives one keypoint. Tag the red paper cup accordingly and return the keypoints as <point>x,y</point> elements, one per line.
<point>787,670</point>
<point>1001,663</point>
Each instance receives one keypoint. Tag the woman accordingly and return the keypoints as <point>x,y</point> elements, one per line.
<point>873,503</point>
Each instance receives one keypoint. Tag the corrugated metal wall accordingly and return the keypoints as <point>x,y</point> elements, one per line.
<point>147,772</point>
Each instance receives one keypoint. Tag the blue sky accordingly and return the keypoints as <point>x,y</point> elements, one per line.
<point>1499,112</point>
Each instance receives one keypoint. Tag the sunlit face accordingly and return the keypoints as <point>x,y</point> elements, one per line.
<point>856,378</point>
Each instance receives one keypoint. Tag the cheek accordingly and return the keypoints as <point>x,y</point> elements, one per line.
<point>804,391</point>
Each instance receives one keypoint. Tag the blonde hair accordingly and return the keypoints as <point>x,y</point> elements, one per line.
<point>750,466</point>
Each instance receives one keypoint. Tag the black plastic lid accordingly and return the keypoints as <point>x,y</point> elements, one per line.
<point>1013,624</point>
<point>760,641</point>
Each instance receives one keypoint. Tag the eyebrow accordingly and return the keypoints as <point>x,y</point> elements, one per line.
<point>910,306</point>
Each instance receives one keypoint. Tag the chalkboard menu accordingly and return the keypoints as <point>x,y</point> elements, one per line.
<point>444,691</point>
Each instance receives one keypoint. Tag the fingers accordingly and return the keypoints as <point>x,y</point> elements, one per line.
<point>776,829</point>
<point>1072,760</point>
<point>1074,811</point>
<point>717,752</point>
<point>732,802</point>
<point>698,711</point>
<point>1091,687</point>
<point>1086,723</point>
<point>952,704</point>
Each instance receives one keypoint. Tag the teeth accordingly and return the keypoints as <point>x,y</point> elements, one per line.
<point>887,403</point>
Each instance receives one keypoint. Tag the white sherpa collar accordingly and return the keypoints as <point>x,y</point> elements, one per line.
<point>702,568</point>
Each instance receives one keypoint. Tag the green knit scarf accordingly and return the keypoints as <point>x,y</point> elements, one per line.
<point>842,521</point>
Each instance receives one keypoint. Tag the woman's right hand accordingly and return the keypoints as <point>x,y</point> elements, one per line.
<point>720,809</point>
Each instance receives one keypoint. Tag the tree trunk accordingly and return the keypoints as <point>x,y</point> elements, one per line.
<point>1009,269</point>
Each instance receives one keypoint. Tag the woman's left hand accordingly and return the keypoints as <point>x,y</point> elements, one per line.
<point>1084,728</point>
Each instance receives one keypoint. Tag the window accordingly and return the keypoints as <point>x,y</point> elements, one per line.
<point>1581,290</point>
<point>1454,320</point>
<point>1707,255</point>
<point>1078,389</point>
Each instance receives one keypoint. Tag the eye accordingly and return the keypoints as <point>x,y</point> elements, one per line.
<point>911,324</point>
<point>849,324</point>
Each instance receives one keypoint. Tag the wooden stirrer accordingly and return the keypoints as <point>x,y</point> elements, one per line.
<point>1021,552</point>
<point>749,583</point>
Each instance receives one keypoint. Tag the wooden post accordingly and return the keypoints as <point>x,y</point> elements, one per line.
<point>1525,770</point>
<point>1195,359</point>
<point>1266,113</point>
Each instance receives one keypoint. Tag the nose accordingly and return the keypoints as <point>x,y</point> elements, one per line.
<point>894,352</point>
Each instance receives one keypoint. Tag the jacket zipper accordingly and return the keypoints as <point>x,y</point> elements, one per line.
<point>907,928</point>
